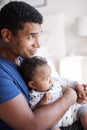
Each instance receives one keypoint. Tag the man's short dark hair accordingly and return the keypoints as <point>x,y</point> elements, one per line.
<point>15,14</point>
<point>29,65</point>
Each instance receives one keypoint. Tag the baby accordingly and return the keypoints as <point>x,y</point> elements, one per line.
<point>44,89</point>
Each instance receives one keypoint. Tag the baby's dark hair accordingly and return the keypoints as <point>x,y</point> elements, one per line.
<point>28,66</point>
<point>15,14</point>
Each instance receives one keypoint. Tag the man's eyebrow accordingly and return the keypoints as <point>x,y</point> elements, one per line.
<point>35,33</point>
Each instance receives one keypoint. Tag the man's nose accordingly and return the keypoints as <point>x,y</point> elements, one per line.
<point>37,44</point>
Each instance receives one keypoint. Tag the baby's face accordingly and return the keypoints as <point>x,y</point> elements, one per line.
<point>42,79</point>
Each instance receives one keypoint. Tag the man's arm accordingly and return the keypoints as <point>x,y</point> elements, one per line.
<point>19,116</point>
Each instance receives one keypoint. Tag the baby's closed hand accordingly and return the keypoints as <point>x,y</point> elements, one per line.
<point>47,96</point>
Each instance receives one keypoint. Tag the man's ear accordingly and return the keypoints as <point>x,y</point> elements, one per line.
<point>6,34</point>
<point>31,85</point>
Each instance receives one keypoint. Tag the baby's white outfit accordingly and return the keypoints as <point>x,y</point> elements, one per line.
<point>56,92</point>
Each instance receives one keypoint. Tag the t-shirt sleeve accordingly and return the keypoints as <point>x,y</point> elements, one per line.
<point>8,88</point>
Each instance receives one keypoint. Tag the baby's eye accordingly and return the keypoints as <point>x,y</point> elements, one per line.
<point>45,79</point>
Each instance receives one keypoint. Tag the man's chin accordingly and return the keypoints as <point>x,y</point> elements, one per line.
<point>30,56</point>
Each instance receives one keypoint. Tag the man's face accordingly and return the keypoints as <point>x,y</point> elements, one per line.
<point>26,43</point>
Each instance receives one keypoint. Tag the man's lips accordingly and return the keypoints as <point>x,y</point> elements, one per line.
<point>34,52</point>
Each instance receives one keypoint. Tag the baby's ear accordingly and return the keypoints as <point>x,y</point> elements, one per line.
<point>31,84</point>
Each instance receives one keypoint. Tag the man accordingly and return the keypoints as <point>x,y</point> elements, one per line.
<point>20,27</point>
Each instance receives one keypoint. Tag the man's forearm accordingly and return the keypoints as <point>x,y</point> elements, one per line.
<point>53,112</point>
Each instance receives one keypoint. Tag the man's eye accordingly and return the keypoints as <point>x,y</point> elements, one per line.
<point>30,37</point>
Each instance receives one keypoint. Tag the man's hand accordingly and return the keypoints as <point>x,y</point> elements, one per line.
<point>81,90</point>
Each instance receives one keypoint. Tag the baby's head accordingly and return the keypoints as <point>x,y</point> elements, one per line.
<point>36,73</point>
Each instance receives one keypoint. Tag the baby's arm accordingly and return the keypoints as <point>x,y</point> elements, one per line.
<point>81,89</point>
<point>43,100</point>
